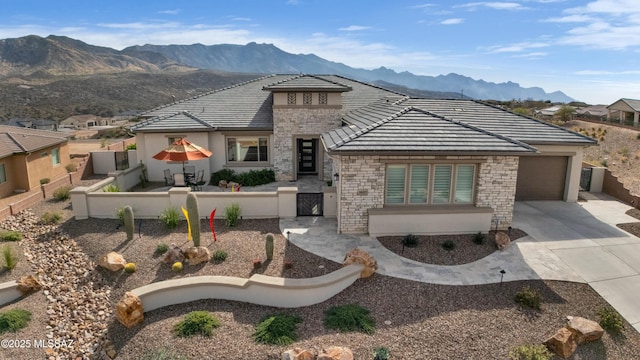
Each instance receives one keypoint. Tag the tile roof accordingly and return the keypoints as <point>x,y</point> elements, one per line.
<point>181,120</point>
<point>15,140</point>
<point>633,103</point>
<point>307,83</point>
<point>388,127</point>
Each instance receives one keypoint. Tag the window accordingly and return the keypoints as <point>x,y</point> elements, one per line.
<point>291,98</point>
<point>434,184</point>
<point>323,99</point>
<point>55,156</point>
<point>172,139</point>
<point>306,98</point>
<point>247,149</point>
<point>3,174</point>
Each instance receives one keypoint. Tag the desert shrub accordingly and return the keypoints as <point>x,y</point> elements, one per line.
<point>479,238</point>
<point>177,266</point>
<point>604,162</point>
<point>111,188</point>
<point>528,297</point>
<point>52,217</point>
<point>611,320</point>
<point>638,136</point>
<point>11,236</point>
<point>71,167</point>
<point>530,352</point>
<point>132,146</point>
<point>14,320</point>
<point>220,255</point>
<point>410,240</point>
<point>256,177</point>
<point>130,268</point>
<point>44,181</point>
<point>62,194</point>
<point>380,353</point>
<point>232,214</point>
<point>162,248</point>
<point>224,174</point>
<point>277,330</point>
<point>162,354</point>
<point>196,323</point>
<point>9,257</point>
<point>448,245</point>
<point>170,217</point>
<point>352,317</point>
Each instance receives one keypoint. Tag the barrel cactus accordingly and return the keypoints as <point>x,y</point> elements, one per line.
<point>194,218</point>
<point>269,246</point>
<point>129,224</point>
<point>177,266</point>
<point>130,268</point>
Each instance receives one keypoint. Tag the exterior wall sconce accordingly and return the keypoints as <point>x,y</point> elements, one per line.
<point>336,177</point>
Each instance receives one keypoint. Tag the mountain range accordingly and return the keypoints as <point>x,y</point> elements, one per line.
<point>59,55</point>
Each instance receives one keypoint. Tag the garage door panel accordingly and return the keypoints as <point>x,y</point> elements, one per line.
<point>541,178</point>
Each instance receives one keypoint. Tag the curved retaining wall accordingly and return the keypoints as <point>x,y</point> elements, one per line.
<point>258,289</point>
<point>9,292</point>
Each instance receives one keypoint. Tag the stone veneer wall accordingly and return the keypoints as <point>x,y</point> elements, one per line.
<point>362,178</point>
<point>289,122</point>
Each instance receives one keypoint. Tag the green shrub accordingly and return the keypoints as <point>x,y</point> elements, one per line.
<point>44,181</point>
<point>256,177</point>
<point>611,321</point>
<point>132,146</point>
<point>111,188</point>
<point>62,194</point>
<point>604,162</point>
<point>232,214</point>
<point>528,297</point>
<point>162,248</point>
<point>381,353</point>
<point>352,317</point>
<point>50,218</point>
<point>448,245</point>
<point>410,240</point>
<point>9,257</point>
<point>170,217</point>
<point>277,330</point>
<point>530,352</point>
<point>14,320</point>
<point>162,354</point>
<point>479,238</point>
<point>220,255</point>
<point>224,174</point>
<point>196,323</point>
<point>71,167</point>
<point>11,236</point>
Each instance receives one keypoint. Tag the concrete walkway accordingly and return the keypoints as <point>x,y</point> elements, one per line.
<point>576,242</point>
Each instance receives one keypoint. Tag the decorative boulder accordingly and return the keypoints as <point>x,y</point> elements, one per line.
<point>357,256</point>
<point>585,330</point>
<point>129,310</point>
<point>174,254</point>
<point>563,343</point>
<point>502,240</point>
<point>335,353</point>
<point>222,184</point>
<point>29,284</point>
<point>113,261</point>
<point>297,354</point>
<point>196,255</point>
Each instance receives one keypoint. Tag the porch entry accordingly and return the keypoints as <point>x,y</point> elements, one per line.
<point>307,156</point>
<point>309,204</point>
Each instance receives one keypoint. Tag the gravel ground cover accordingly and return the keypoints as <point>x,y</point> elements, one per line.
<point>414,320</point>
<point>634,227</point>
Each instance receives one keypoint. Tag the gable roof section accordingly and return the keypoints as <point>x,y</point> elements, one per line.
<point>15,140</point>
<point>387,127</point>
<point>308,83</point>
<point>632,104</point>
<point>499,121</point>
<point>180,120</point>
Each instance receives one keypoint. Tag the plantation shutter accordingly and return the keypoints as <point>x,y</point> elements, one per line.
<point>464,184</point>
<point>395,184</point>
<point>419,184</point>
<point>442,184</point>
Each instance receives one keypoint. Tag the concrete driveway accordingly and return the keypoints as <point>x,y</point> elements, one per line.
<point>585,237</point>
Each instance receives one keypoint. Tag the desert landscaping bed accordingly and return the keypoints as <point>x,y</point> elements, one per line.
<point>634,227</point>
<point>414,320</point>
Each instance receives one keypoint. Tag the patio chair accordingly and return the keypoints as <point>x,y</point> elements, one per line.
<point>199,181</point>
<point>178,179</point>
<point>189,170</point>
<point>168,179</point>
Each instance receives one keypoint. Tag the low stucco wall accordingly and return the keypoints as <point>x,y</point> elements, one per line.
<point>430,221</point>
<point>258,289</point>
<point>9,292</point>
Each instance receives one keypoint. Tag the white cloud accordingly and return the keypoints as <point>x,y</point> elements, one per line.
<point>496,5</point>
<point>570,19</point>
<point>170,12</point>
<point>453,21</point>
<point>355,28</point>
<point>517,47</point>
<point>532,55</point>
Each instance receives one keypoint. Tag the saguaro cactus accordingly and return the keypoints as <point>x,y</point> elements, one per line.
<point>129,224</point>
<point>194,218</point>
<point>268,245</point>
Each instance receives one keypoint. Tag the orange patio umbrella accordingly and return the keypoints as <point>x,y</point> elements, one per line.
<point>183,150</point>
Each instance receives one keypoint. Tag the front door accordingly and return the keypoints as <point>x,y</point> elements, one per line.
<point>307,149</point>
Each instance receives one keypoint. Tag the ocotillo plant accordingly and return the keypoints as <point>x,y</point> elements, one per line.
<point>269,246</point>
<point>194,218</point>
<point>129,224</point>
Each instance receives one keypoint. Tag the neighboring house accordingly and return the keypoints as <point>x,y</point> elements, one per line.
<point>625,110</point>
<point>400,165</point>
<point>28,155</point>
<point>547,113</point>
<point>42,124</point>
<point>594,111</point>
<point>86,121</point>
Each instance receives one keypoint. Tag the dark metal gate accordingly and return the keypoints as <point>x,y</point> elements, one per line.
<point>585,179</point>
<point>309,204</point>
<point>122,160</point>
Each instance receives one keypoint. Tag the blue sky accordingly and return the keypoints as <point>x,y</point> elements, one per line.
<point>587,49</point>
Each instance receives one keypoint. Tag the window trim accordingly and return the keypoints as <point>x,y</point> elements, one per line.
<point>55,157</point>
<point>247,137</point>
